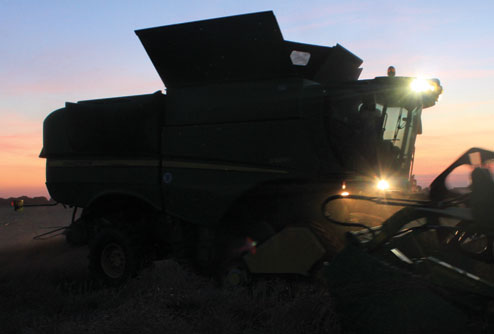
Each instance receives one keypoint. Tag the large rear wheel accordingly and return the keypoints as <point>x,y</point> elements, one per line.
<point>113,257</point>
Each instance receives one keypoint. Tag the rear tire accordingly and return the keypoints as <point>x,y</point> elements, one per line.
<point>113,257</point>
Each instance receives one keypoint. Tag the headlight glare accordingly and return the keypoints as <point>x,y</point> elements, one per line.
<point>419,85</point>
<point>383,185</point>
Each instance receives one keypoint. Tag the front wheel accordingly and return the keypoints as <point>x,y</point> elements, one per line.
<point>234,274</point>
<point>113,257</point>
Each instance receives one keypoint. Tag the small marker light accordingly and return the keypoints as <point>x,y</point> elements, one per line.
<point>251,245</point>
<point>345,194</point>
<point>391,71</point>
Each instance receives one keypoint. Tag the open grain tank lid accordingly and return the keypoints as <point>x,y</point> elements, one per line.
<point>243,47</point>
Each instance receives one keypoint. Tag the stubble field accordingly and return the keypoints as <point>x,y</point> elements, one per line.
<point>45,288</point>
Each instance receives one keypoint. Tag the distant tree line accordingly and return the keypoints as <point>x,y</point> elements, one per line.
<point>4,202</point>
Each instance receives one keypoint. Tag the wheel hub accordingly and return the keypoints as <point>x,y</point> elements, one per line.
<point>113,260</point>
<point>236,276</point>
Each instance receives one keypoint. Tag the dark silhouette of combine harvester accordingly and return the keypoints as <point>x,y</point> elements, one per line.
<point>229,168</point>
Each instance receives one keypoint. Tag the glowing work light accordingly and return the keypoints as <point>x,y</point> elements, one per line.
<point>383,185</point>
<point>419,85</point>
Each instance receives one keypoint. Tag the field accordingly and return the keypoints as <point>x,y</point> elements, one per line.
<point>44,288</point>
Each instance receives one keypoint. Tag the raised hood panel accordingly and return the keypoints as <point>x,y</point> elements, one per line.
<point>239,48</point>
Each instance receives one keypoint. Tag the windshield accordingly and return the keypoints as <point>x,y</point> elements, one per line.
<point>373,137</point>
<point>400,127</point>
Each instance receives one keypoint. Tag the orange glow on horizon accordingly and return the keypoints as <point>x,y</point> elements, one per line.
<point>22,172</point>
<point>23,180</point>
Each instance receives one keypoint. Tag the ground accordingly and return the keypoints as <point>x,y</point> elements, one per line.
<point>44,288</point>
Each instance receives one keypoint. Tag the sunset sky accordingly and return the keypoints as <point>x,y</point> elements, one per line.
<point>58,51</point>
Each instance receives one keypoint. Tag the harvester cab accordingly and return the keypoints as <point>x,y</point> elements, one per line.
<point>374,125</point>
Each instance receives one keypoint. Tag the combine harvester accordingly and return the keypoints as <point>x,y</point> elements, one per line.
<point>229,168</point>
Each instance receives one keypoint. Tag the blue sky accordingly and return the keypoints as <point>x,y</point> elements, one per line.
<point>57,51</point>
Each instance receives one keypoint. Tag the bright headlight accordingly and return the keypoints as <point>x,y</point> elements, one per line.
<point>383,185</point>
<point>421,85</point>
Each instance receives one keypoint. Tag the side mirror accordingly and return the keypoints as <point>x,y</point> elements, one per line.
<point>18,204</point>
